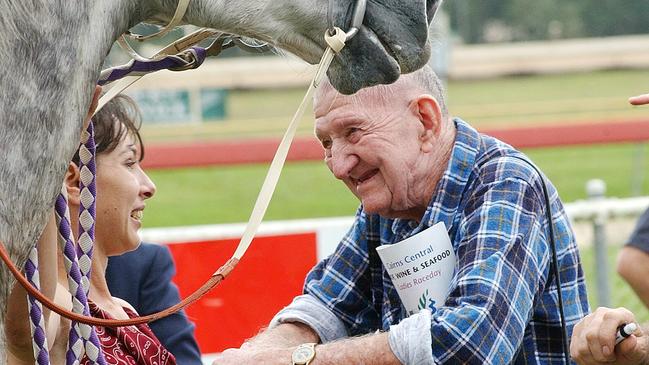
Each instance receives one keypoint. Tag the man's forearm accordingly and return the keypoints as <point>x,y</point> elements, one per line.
<point>284,335</point>
<point>370,349</point>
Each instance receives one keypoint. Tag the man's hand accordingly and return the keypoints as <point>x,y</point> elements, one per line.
<point>639,100</point>
<point>593,339</point>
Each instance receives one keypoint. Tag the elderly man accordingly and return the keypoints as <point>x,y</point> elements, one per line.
<point>412,166</point>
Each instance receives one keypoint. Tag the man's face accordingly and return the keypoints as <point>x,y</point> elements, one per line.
<point>374,149</point>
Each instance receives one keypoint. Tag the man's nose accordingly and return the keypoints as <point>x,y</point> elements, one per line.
<point>341,164</point>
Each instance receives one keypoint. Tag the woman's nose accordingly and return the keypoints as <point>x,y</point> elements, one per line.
<point>147,187</point>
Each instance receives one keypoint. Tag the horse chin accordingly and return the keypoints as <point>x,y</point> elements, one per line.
<point>392,41</point>
<point>367,61</point>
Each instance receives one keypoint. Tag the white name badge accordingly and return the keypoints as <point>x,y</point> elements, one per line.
<point>421,268</point>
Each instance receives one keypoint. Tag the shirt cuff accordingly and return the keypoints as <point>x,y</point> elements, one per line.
<point>411,340</point>
<point>308,310</point>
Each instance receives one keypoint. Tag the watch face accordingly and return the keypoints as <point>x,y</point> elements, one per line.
<point>302,354</point>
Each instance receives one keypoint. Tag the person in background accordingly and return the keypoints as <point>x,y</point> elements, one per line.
<point>633,260</point>
<point>593,340</point>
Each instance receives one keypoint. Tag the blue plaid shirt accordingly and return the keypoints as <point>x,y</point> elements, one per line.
<point>502,306</point>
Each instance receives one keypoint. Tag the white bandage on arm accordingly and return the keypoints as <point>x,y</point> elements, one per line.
<point>310,311</point>
<point>411,341</point>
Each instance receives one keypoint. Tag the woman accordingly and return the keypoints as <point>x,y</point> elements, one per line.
<point>122,188</point>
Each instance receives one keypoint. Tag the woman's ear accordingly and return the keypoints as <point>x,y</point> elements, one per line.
<point>71,182</point>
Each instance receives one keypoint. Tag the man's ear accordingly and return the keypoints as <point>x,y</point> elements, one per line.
<point>71,182</point>
<point>429,113</point>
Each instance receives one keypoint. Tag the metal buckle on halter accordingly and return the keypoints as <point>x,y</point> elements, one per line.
<point>225,41</point>
<point>356,22</point>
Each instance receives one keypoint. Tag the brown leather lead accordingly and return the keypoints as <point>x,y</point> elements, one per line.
<point>216,278</point>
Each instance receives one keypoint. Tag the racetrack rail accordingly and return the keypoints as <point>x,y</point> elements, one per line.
<point>195,154</point>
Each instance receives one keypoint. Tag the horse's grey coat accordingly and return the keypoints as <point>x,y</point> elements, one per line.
<point>51,52</point>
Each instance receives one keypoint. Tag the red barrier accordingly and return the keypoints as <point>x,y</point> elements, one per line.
<point>266,280</point>
<point>308,148</point>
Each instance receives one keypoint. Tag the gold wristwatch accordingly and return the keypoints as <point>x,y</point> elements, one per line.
<point>303,354</point>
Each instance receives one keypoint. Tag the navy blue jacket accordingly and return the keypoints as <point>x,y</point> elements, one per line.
<point>143,278</point>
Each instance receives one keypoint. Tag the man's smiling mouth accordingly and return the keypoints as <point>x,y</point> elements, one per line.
<point>366,176</point>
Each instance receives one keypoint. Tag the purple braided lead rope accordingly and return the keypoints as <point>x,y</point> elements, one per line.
<point>36,320</point>
<point>87,213</point>
<point>192,58</point>
<point>79,333</point>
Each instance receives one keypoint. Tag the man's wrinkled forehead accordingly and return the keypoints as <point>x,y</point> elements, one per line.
<point>327,98</point>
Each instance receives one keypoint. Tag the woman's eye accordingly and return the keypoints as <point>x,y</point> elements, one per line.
<point>130,164</point>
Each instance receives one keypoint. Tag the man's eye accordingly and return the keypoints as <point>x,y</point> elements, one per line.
<point>326,143</point>
<point>353,134</point>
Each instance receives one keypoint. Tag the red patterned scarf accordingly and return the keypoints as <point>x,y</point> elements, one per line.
<point>133,345</point>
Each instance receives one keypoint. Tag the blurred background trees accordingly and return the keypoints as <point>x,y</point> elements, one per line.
<point>480,21</point>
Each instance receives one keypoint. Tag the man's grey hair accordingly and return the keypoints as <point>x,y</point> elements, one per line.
<point>422,81</point>
<point>431,84</point>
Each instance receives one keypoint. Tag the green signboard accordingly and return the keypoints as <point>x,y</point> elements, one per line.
<point>164,106</point>
<point>181,106</point>
<point>213,104</point>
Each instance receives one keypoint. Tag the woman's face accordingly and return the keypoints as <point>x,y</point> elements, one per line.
<point>122,188</point>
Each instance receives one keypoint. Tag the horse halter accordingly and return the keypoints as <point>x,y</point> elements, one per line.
<point>335,39</point>
<point>358,14</point>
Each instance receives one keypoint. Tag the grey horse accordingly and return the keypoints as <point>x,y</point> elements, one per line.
<point>51,52</point>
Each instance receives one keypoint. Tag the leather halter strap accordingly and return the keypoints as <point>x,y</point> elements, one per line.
<point>175,21</point>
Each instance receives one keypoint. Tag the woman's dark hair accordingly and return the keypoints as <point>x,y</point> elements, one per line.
<point>108,133</point>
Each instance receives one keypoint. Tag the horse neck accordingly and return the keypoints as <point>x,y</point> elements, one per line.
<point>285,23</point>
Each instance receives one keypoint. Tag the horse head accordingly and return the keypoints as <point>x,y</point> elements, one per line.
<point>392,40</point>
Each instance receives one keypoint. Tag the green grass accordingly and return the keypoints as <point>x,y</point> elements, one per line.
<point>226,194</point>
<point>622,166</point>
<point>548,99</point>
